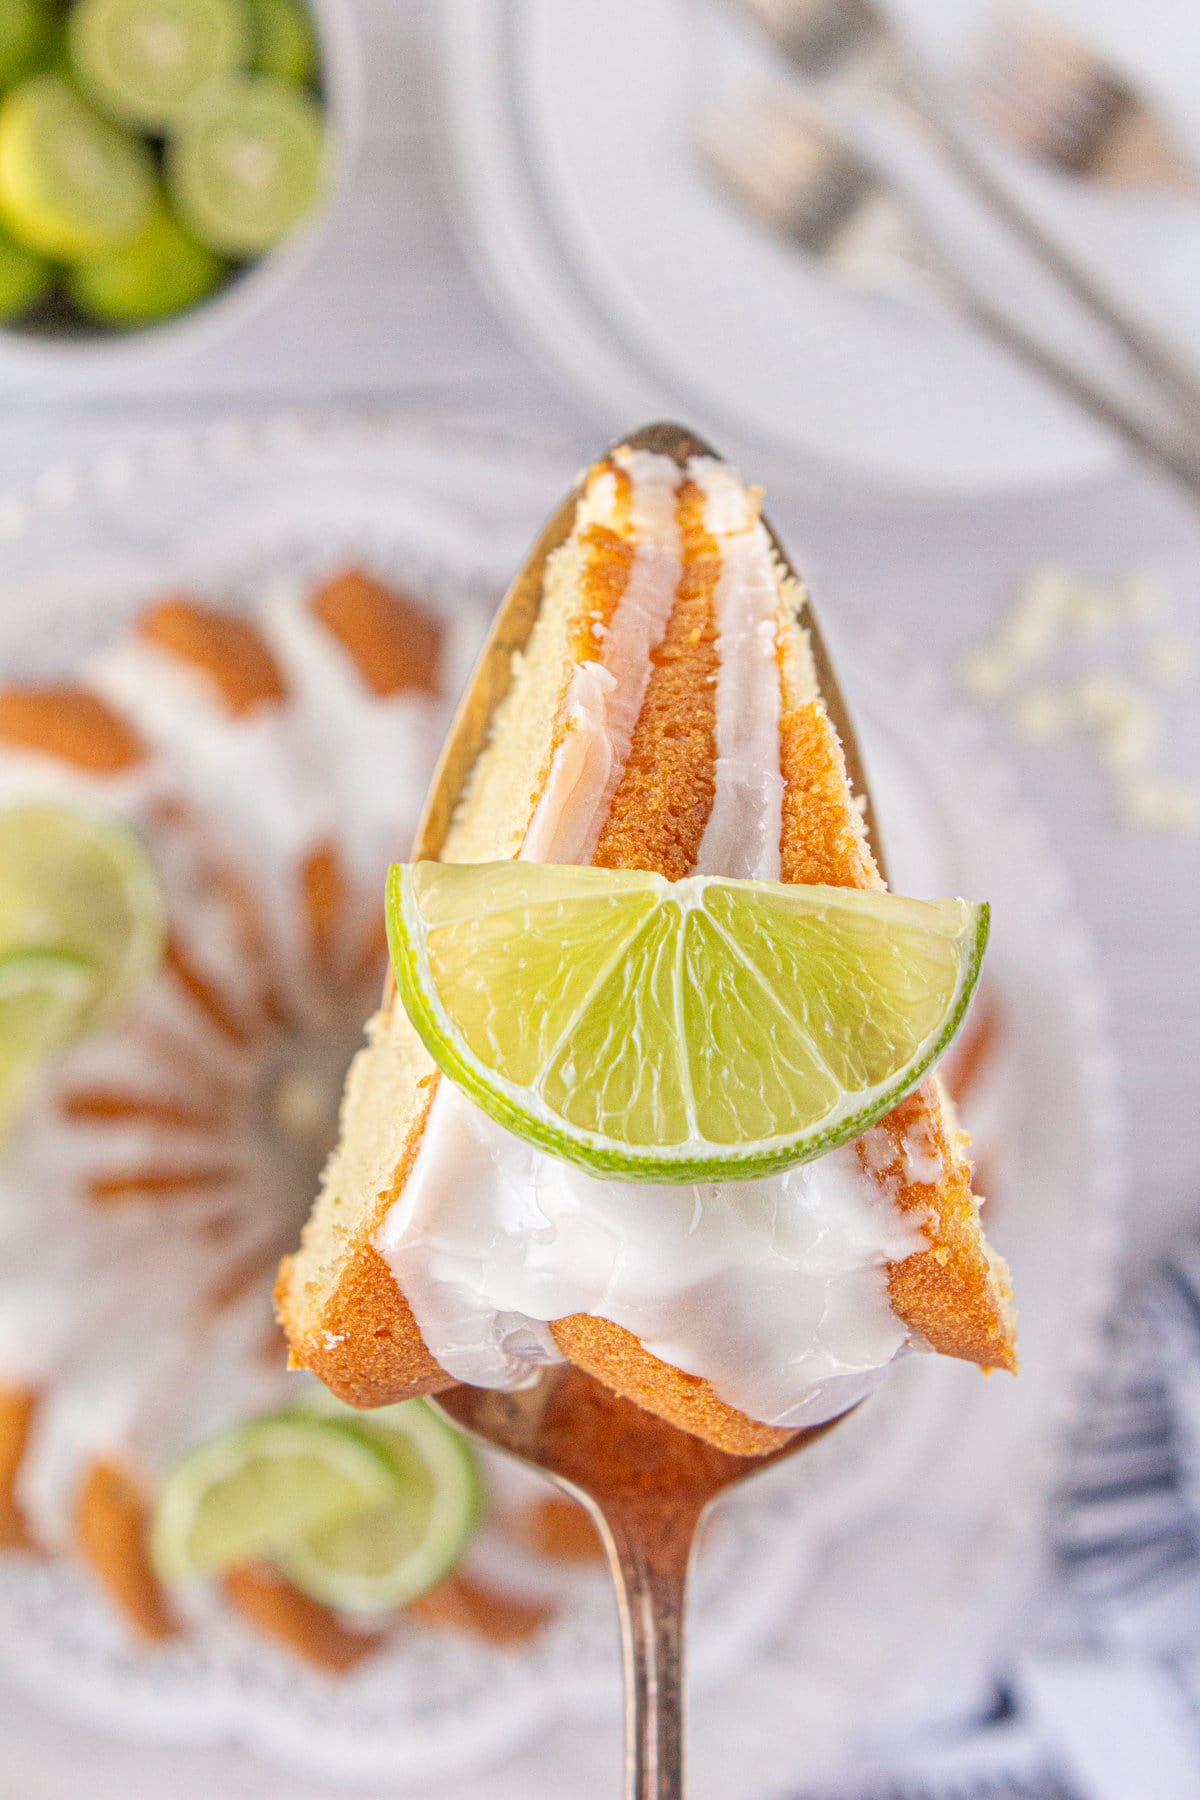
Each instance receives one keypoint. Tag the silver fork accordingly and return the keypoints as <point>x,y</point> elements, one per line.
<point>797,174</point>
<point>853,43</point>
<point>1053,96</point>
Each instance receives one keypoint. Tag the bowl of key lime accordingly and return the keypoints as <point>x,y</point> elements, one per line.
<point>163,161</point>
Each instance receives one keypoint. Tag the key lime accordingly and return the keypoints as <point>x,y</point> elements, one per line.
<point>25,278</point>
<point>384,1556</point>
<point>142,61</point>
<point>247,163</point>
<point>163,271</point>
<point>26,39</point>
<point>690,1031</point>
<point>285,43</point>
<point>257,1488</point>
<point>71,184</point>
<point>75,884</point>
<point>42,1000</point>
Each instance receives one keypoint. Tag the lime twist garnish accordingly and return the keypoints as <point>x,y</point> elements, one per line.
<point>363,1515</point>
<point>81,929</point>
<point>72,184</point>
<point>684,1031</point>
<point>142,61</point>
<point>256,1488</point>
<point>43,997</point>
<point>79,885</point>
<point>387,1555</point>
<point>247,162</point>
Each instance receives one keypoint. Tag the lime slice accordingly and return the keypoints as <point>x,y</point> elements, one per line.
<point>26,39</point>
<point>25,278</point>
<point>163,271</point>
<point>71,184</point>
<point>78,885</point>
<point>690,1031</point>
<point>142,61</point>
<point>257,1488</point>
<point>42,999</point>
<point>384,1556</point>
<point>285,43</point>
<point>247,163</point>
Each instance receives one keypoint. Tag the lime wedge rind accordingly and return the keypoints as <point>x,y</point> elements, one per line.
<point>523,1110</point>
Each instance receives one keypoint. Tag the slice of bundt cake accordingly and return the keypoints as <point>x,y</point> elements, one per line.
<point>664,715</point>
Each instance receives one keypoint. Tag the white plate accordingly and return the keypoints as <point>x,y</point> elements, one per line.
<point>568,130</point>
<point>829,1581</point>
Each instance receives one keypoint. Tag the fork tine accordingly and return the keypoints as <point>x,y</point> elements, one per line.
<point>784,163</point>
<point>817,35</point>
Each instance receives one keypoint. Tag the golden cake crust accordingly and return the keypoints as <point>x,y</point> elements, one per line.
<point>17,1409</point>
<point>224,647</point>
<point>112,1524</point>
<point>71,725</point>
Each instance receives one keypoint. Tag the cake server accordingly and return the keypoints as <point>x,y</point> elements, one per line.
<point>646,1484</point>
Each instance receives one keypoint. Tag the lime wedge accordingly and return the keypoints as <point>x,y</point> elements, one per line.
<point>26,39</point>
<point>71,184</point>
<point>691,1031</point>
<point>163,271</point>
<point>384,1556</point>
<point>42,1000</point>
<point>260,1486</point>
<point>247,163</point>
<point>285,43</point>
<point>25,278</point>
<point>78,885</point>
<point>142,61</point>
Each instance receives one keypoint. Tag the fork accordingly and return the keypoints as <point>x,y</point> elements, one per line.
<point>646,1484</point>
<point>1053,96</point>
<point>796,173</point>
<point>853,43</point>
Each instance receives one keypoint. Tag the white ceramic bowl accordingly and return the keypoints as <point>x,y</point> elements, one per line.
<point>29,351</point>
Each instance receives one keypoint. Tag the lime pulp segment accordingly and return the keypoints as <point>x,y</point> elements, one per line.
<point>386,1555</point>
<point>254,1490</point>
<point>247,163</point>
<point>72,184</point>
<point>698,1030</point>
<point>76,884</point>
<point>142,61</point>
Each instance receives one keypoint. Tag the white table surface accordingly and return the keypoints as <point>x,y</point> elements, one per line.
<point>392,317</point>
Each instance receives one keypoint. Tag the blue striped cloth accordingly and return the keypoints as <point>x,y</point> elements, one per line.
<point>1105,1704</point>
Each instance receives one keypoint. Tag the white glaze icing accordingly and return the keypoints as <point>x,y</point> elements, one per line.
<point>774,1290</point>
<point>604,697</point>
